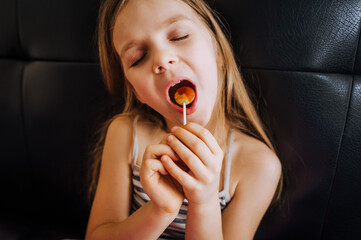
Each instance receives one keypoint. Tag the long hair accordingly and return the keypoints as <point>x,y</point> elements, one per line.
<point>233,108</point>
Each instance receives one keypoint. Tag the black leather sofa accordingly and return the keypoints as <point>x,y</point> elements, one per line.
<point>301,58</point>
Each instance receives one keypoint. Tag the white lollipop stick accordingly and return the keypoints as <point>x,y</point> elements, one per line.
<point>184,114</point>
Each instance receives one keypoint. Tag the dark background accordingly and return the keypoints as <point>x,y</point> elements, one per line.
<point>300,58</point>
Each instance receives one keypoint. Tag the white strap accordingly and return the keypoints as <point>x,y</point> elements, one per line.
<point>227,170</point>
<point>135,143</point>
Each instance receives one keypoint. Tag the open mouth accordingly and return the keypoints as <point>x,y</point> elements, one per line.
<point>179,88</point>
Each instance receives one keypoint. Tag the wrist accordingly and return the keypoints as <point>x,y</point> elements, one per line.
<point>164,212</point>
<point>211,204</point>
<point>204,220</point>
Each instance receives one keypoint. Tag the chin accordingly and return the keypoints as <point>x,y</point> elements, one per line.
<point>203,121</point>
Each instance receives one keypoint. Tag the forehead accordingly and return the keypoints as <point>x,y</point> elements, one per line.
<point>139,17</point>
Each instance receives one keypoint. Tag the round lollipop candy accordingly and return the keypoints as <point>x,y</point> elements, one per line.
<point>184,95</point>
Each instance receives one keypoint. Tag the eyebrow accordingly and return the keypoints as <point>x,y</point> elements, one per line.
<point>174,19</point>
<point>168,21</point>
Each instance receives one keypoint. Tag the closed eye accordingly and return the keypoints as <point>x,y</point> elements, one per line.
<point>138,60</point>
<point>180,38</point>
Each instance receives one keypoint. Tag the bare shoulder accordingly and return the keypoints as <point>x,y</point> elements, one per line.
<point>255,174</point>
<point>253,161</point>
<point>119,136</point>
<point>121,132</point>
<point>114,183</point>
<point>117,150</point>
<point>120,124</point>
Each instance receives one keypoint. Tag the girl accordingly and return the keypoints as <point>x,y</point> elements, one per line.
<point>213,178</point>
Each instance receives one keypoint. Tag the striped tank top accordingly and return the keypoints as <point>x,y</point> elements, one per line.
<point>176,230</point>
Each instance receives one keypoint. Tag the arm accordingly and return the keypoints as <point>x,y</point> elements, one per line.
<point>258,177</point>
<point>252,197</point>
<point>201,153</point>
<point>146,223</point>
<point>109,217</point>
<point>204,221</point>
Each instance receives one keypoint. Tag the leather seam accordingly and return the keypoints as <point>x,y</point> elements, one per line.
<point>357,48</point>
<point>22,110</point>
<point>48,61</point>
<point>293,71</point>
<point>331,190</point>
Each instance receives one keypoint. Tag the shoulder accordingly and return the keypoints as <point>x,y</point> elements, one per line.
<point>118,140</point>
<point>120,123</point>
<point>253,155</point>
<point>121,133</point>
<point>120,129</point>
<point>254,163</point>
<point>114,183</point>
<point>255,175</point>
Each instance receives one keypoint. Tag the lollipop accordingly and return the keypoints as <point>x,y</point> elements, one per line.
<point>184,96</point>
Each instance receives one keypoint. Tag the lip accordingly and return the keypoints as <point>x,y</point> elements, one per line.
<point>194,105</point>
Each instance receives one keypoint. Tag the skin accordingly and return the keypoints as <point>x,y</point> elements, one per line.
<point>158,54</point>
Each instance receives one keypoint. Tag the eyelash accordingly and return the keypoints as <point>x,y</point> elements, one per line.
<point>180,38</point>
<point>138,60</point>
<point>173,40</point>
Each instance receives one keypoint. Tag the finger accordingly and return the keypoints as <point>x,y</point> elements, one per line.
<point>164,139</point>
<point>205,136</point>
<point>188,157</point>
<point>174,157</point>
<point>155,151</point>
<point>151,166</point>
<point>195,144</point>
<point>177,173</point>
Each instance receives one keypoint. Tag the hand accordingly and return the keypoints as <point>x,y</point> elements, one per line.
<point>199,150</point>
<point>161,188</point>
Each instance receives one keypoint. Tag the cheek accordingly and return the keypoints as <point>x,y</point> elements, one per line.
<point>137,89</point>
<point>146,93</point>
<point>209,79</point>
<point>144,87</point>
<point>145,96</point>
<point>205,55</point>
<point>207,65</point>
<point>138,86</point>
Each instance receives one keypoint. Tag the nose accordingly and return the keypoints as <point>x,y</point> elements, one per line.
<point>163,61</point>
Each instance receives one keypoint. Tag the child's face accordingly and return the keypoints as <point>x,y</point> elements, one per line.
<point>160,43</point>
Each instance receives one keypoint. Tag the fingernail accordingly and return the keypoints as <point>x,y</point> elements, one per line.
<point>170,138</point>
<point>174,129</point>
